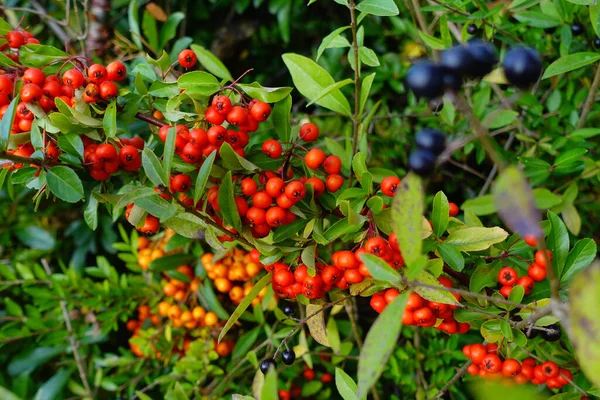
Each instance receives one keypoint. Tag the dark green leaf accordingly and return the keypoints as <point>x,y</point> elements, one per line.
<point>452,256</point>
<point>281,118</point>
<point>264,281</point>
<point>64,183</point>
<point>211,63</point>
<point>266,94</point>
<point>153,168</point>
<point>227,203</point>
<point>379,344</point>
<point>581,256</point>
<point>203,175</point>
<point>171,261</point>
<point>52,388</point>
<point>558,242</point>
<point>440,214</point>
<point>407,212</point>
<point>7,123</point>
<point>570,62</point>
<point>383,8</point>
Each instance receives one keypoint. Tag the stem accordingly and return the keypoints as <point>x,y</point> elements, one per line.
<point>72,342</point>
<point>589,101</point>
<point>150,119</point>
<point>459,374</point>
<point>21,160</point>
<point>356,117</point>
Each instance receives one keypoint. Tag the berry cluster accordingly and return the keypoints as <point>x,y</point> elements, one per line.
<point>346,269</point>
<point>420,312</point>
<point>233,273</point>
<point>104,160</point>
<point>192,144</point>
<point>508,276</point>
<point>430,144</point>
<point>488,364</point>
<point>473,60</point>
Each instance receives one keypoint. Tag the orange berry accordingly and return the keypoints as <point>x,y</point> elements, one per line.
<point>163,308</point>
<point>179,295</point>
<point>210,319</point>
<point>174,312</point>
<point>198,313</point>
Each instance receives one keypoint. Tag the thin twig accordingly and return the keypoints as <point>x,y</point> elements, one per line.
<point>459,374</point>
<point>589,101</point>
<point>74,344</point>
<point>355,117</point>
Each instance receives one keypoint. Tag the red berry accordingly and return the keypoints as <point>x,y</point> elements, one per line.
<point>91,94</point>
<point>31,92</point>
<point>537,272</point>
<point>507,276</point>
<point>530,240</point>
<point>213,116</point>
<point>541,260</point>
<point>34,75</point>
<point>491,363</point>
<point>452,209</point>
<point>314,158</point>
<point>130,158</point>
<point>116,71</point>
<point>272,148</point>
<point>511,367</point>
<point>73,78</point>
<point>108,90</point>
<point>309,132</point>
<point>477,353</point>
<point>187,58</point>
<point>222,104</point>
<point>389,185</point>
<point>527,284</point>
<point>181,183</point>
<point>334,183</point>
<point>260,111</point>
<point>505,290</point>
<point>97,74</point>
<point>332,165</point>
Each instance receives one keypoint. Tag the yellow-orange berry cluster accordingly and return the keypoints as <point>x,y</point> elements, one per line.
<point>232,274</point>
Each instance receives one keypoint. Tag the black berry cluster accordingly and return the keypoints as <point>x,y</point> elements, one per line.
<point>475,59</point>
<point>430,144</point>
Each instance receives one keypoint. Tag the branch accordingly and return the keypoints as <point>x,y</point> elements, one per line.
<point>74,344</point>
<point>589,101</point>
<point>150,119</point>
<point>21,160</point>
<point>355,117</point>
<point>459,374</point>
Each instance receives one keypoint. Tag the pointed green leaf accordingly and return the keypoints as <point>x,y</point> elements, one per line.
<point>407,212</point>
<point>64,183</point>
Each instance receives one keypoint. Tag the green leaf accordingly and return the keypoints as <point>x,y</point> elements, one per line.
<point>440,214</point>
<point>211,63</point>
<point>90,214</point>
<point>440,295</point>
<point>35,237</point>
<point>514,199</point>
<point>482,205</point>
<point>71,143</point>
<point>345,385</point>
<point>327,40</point>
<point>452,256</point>
<point>187,225</point>
<point>6,394</point>
<point>368,56</point>
<point>584,296</point>
<point>169,153</point>
<point>7,123</point>
<point>264,281</point>
<point>64,183</point>
<point>281,118</point>
<point>38,56</point>
<point>379,344</point>
<point>311,80</point>
<point>379,269</point>
<point>572,219</point>
<point>169,29</point>
<point>134,22</point>
<point>558,242</point>
<point>545,199</point>
<point>263,93</point>
<point>316,325</point>
<point>52,388</point>
<point>109,122</point>
<point>142,396</point>
<point>233,161</point>
<point>382,8</point>
<point>153,168</point>
<point>432,42</point>
<point>476,238</point>
<point>211,301</point>
<point>198,82</point>
<point>407,213</point>
<point>269,389</point>
<point>499,119</point>
<point>203,175</point>
<point>28,360</point>
<point>365,89</point>
<point>595,18</point>
<point>13,308</point>
<point>570,62</point>
<point>329,89</point>
<point>538,19</point>
<point>227,203</point>
<point>150,31</point>
<point>171,261</point>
